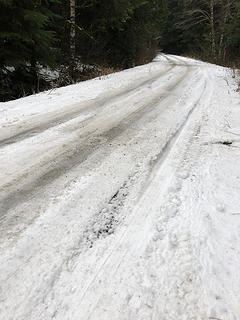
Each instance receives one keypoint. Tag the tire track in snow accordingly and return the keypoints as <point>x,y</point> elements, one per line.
<point>179,262</point>
<point>67,159</point>
<point>8,222</point>
<point>54,280</point>
<point>58,273</point>
<point>113,251</point>
<point>68,115</point>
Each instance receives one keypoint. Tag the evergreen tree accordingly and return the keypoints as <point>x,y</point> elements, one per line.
<point>25,42</point>
<point>121,32</point>
<point>232,34</point>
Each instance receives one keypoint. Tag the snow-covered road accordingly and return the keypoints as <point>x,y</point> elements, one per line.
<point>120,197</point>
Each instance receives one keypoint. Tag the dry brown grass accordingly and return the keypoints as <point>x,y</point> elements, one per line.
<point>105,70</point>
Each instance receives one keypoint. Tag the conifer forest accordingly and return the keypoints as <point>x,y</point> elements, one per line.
<point>51,43</point>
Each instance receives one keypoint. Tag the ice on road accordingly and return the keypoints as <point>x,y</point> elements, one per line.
<point>120,197</point>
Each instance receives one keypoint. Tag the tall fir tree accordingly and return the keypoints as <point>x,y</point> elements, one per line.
<point>25,42</point>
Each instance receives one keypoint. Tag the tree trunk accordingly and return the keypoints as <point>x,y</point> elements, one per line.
<point>226,15</point>
<point>72,29</point>
<point>213,44</point>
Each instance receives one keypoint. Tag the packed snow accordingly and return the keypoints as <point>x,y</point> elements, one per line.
<point>119,197</point>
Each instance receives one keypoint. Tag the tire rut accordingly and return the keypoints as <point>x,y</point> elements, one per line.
<point>161,158</point>
<point>68,159</point>
<point>70,115</point>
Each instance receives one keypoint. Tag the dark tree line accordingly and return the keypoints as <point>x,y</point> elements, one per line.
<point>69,34</point>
